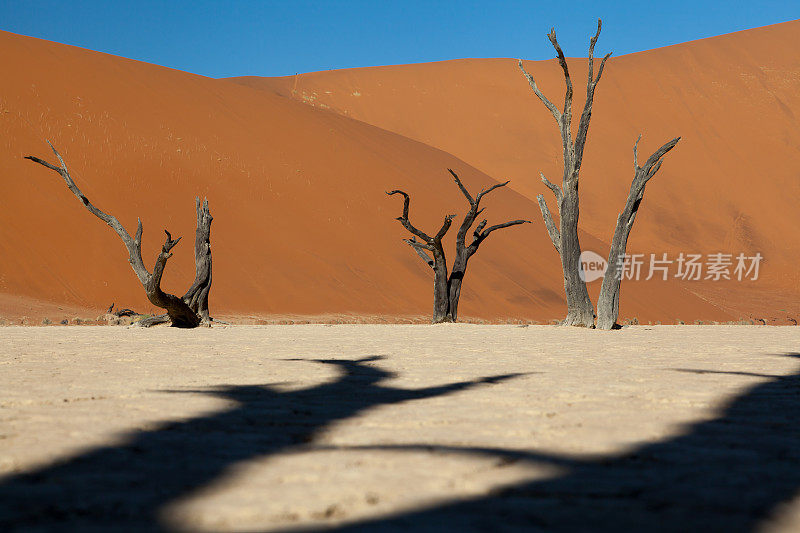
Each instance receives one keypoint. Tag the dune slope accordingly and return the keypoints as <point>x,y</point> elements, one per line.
<point>302,225</point>
<point>729,187</point>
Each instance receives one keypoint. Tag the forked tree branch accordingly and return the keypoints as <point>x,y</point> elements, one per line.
<point>475,202</point>
<point>562,61</point>
<point>485,233</point>
<point>600,70</point>
<point>421,248</point>
<point>404,217</point>
<point>654,161</point>
<point>163,256</point>
<point>573,150</point>
<point>490,189</point>
<point>180,313</point>
<point>134,245</point>
<point>642,175</point>
<point>553,187</point>
<point>428,244</point>
<point>469,219</point>
<point>591,81</point>
<point>591,84</point>
<point>480,234</point>
<point>608,301</point>
<point>474,207</point>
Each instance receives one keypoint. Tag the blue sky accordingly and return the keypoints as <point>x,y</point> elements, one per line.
<point>273,38</point>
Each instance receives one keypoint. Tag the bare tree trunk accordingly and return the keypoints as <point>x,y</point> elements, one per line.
<point>186,313</point>
<point>580,311</point>
<point>441,287</point>
<point>447,288</point>
<point>608,302</point>
<point>197,295</point>
<point>456,280</point>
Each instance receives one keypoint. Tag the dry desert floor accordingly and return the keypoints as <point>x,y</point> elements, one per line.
<point>400,427</point>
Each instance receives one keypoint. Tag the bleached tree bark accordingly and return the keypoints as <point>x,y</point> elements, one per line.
<point>580,311</point>
<point>608,301</point>
<point>447,287</point>
<point>187,312</point>
<point>197,295</point>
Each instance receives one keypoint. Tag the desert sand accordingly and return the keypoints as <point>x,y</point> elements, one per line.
<point>296,168</point>
<point>241,428</point>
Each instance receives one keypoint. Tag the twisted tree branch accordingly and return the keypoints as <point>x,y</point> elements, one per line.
<point>480,234</point>
<point>134,246</point>
<point>180,312</point>
<point>404,217</point>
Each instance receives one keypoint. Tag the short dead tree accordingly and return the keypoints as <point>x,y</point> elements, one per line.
<point>188,311</point>
<point>608,301</point>
<point>447,287</point>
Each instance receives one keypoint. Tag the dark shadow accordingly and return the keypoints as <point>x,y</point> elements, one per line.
<point>727,474</point>
<point>125,487</point>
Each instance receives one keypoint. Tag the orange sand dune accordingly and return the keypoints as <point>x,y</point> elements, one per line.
<point>302,225</point>
<point>730,186</point>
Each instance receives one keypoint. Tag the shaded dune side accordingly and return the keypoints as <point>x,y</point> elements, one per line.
<point>730,185</point>
<point>302,224</point>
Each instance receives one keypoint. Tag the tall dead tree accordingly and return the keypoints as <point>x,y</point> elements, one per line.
<point>188,311</point>
<point>608,301</point>
<point>580,311</point>
<point>447,287</point>
<point>565,236</point>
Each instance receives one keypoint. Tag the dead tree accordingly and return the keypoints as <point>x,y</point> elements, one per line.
<point>447,288</point>
<point>565,237</point>
<point>188,311</point>
<point>608,301</point>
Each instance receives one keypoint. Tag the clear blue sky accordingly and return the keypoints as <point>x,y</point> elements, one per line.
<point>273,38</point>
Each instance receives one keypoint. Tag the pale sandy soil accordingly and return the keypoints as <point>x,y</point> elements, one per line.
<point>459,427</point>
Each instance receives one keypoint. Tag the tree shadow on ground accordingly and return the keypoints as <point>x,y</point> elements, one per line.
<point>125,487</point>
<point>728,474</point>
